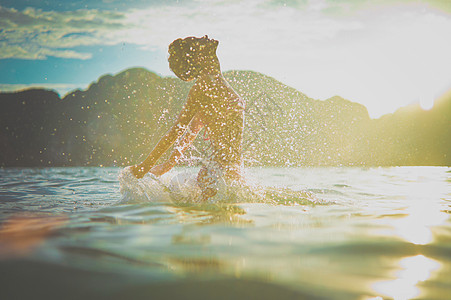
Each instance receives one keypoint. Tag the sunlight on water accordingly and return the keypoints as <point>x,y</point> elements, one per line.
<point>422,211</point>
<point>416,227</point>
<point>413,270</point>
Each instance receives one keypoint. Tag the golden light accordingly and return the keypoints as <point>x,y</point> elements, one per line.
<point>416,227</point>
<point>422,210</point>
<point>413,270</point>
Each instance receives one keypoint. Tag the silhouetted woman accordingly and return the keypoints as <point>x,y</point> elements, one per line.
<point>211,103</point>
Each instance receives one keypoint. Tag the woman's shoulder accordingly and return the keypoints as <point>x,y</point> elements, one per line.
<point>215,84</point>
<point>207,85</point>
<point>208,80</point>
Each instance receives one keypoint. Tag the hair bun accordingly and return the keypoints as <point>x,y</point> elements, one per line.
<point>204,45</point>
<point>210,45</point>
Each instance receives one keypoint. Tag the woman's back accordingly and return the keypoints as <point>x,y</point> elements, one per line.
<point>223,115</point>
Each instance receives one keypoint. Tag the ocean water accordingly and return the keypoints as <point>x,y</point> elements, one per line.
<point>325,233</point>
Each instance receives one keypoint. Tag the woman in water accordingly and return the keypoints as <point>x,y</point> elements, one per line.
<point>211,103</point>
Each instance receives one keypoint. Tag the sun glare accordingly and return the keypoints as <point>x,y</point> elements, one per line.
<point>412,270</point>
<point>416,227</point>
<point>427,103</point>
<point>422,211</point>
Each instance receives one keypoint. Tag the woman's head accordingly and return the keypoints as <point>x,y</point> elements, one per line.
<point>191,56</point>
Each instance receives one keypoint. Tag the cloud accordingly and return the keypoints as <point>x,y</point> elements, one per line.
<point>268,26</point>
<point>36,52</point>
<point>249,25</point>
<point>37,34</point>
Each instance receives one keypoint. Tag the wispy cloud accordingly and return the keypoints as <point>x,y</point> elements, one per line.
<point>37,34</point>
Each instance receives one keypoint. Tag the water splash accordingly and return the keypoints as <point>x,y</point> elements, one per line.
<point>182,188</point>
<point>150,189</point>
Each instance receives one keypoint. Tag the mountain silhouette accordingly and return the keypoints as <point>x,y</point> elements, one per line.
<point>118,119</point>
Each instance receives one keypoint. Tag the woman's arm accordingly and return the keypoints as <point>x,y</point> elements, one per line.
<point>177,130</point>
<point>195,127</point>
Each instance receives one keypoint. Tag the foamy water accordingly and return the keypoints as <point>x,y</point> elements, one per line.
<point>329,233</point>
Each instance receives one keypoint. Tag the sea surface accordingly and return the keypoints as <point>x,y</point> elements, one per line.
<point>326,233</point>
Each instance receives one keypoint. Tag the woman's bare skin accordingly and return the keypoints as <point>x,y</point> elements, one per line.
<point>211,103</point>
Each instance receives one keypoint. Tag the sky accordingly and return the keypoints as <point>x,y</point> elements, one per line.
<point>384,54</point>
